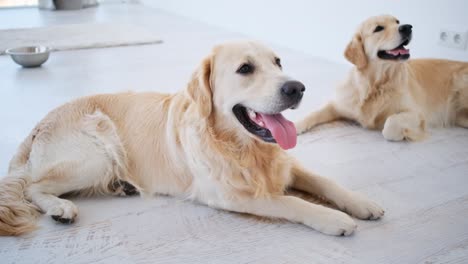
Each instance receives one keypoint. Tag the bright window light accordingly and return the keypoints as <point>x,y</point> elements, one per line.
<point>17,3</point>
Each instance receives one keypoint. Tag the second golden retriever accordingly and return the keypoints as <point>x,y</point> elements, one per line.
<point>219,142</point>
<point>388,92</point>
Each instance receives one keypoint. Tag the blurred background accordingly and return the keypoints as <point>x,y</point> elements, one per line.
<point>323,28</point>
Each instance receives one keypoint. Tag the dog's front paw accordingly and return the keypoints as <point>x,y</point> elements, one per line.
<point>361,207</point>
<point>333,222</point>
<point>392,131</point>
<point>404,126</point>
<point>301,127</point>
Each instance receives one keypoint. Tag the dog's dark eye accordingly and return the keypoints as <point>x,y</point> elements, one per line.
<point>278,62</point>
<point>378,29</point>
<point>398,21</point>
<point>245,68</point>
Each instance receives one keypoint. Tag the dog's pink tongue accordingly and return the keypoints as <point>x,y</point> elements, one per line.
<point>401,51</point>
<point>282,130</point>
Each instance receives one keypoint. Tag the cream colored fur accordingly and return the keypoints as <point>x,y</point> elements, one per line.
<point>401,98</point>
<point>187,144</point>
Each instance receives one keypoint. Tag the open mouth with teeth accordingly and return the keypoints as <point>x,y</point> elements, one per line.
<point>273,128</point>
<point>398,53</point>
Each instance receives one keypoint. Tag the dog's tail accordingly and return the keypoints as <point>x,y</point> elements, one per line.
<point>17,215</point>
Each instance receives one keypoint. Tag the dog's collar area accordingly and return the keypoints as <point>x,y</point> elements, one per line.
<point>398,53</point>
<point>242,115</point>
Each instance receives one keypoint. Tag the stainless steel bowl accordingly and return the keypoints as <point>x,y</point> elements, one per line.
<point>68,4</point>
<point>29,57</point>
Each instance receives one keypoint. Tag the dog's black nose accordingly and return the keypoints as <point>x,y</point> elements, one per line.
<point>405,30</point>
<point>293,90</point>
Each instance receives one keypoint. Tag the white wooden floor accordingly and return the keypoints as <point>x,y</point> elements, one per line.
<point>423,186</point>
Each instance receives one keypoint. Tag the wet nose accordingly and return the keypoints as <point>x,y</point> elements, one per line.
<point>405,30</point>
<point>293,90</point>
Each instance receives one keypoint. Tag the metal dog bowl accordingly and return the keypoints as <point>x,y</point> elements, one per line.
<point>29,57</point>
<point>68,4</point>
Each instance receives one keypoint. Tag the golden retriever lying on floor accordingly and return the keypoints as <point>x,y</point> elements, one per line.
<point>385,91</point>
<point>215,142</point>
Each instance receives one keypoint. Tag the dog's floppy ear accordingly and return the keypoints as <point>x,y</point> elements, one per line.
<point>355,53</point>
<point>199,88</point>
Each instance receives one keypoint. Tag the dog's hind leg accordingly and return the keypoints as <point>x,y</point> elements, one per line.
<point>45,192</point>
<point>70,176</point>
<point>83,157</point>
<point>327,114</point>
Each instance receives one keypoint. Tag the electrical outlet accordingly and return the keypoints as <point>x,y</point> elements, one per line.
<point>453,39</point>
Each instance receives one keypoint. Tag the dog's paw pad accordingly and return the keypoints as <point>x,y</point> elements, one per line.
<point>129,189</point>
<point>123,188</point>
<point>62,220</point>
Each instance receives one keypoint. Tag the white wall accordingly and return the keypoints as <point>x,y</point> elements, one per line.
<point>323,28</point>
